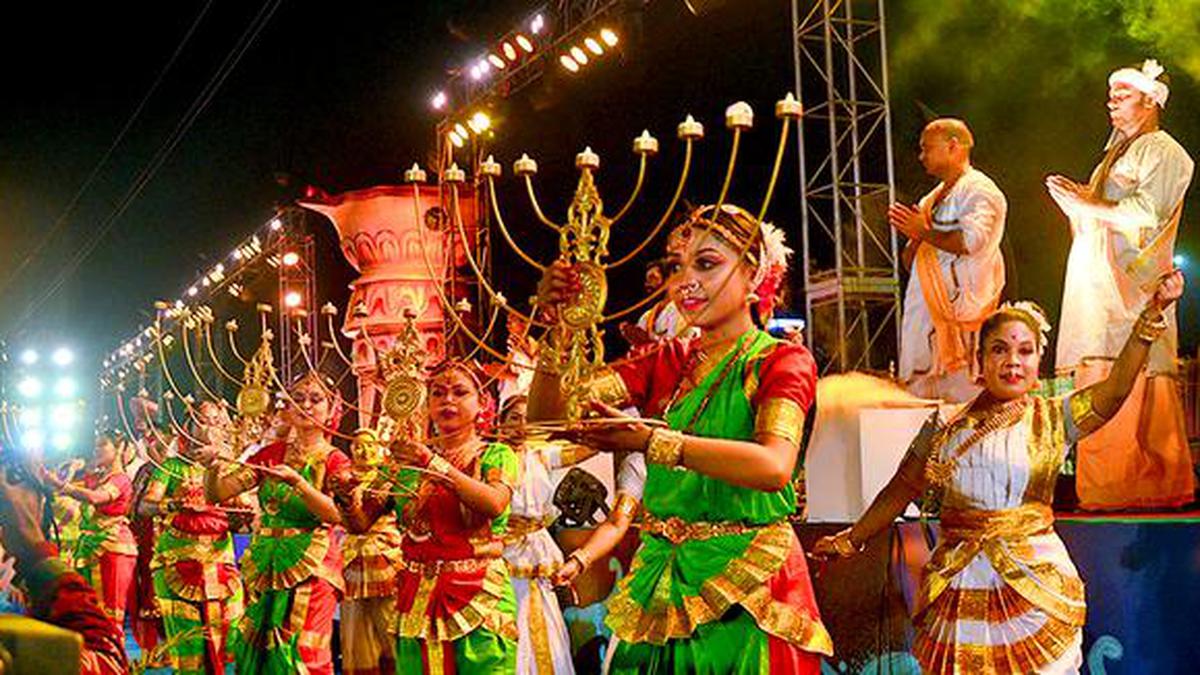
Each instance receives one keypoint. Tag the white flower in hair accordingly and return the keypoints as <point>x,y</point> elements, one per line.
<point>773,252</point>
<point>1151,69</point>
<point>1034,312</point>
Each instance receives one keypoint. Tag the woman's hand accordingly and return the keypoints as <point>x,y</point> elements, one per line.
<point>613,432</point>
<point>824,548</point>
<point>1170,289</point>
<point>567,574</point>
<point>560,282</point>
<point>51,478</point>
<point>411,453</point>
<point>282,472</point>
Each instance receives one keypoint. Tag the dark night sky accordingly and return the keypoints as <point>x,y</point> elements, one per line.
<point>336,96</point>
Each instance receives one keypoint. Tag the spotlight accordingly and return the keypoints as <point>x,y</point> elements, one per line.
<point>33,439</point>
<point>524,43</point>
<point>31,418</point>
<point>64,416</point>
<point>30,387</point>
<point>63,356</point>
<point>193,291</point>
<point>537,24</point>
<point>62,442</point>
<point>476,73</point>
<point>510,52</point>
<point>461,130</point>
<point>276,224</point>
<point>237,254</point>
<point>456,140</point>
<point>568,63</point>
<point>65,388</point>
<point>593,46</point>
<point>480,122</point>
<point>497,61</point>
<point>580,57</point>
<point>291,258</point>
<point>29,357</point>
<point>609,37</point>
<point>439,100</point>
<point>292,299</point>
<point>1179,260</point>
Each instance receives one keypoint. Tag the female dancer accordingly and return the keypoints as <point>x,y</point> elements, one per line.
<point>372,562</point>
<point>456,608</point>
<point>544,646</point>
<point>292,571</point>
<point>196,585</point>
<point>1000,594</point>
<point>720,583</point>
<point>106,553</point>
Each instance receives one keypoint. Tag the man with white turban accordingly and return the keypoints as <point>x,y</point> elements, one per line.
<point>953,250</point>
<point>1124,222</point>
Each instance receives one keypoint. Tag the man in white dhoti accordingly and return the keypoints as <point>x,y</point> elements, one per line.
<point>1124,223</point>
<point>953,252</point>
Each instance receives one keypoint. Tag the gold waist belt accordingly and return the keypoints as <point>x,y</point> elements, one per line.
<point>432,568</point>
<point>677,530</point>
<point>1024,521</point>
<point>520,527</point>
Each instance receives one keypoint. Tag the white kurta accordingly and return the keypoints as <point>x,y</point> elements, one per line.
<point>977,208</point>
<point>1146,184</point>
<point>534,499</point>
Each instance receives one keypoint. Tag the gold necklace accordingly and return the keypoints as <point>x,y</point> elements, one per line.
<point>938,472</point>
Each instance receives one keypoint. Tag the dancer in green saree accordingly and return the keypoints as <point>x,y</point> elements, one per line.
<point>720,583</point>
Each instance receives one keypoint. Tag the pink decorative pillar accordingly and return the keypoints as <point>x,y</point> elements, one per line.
<point>400,259</point>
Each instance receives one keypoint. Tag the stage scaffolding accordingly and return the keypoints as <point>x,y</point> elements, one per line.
<point>850,256</point>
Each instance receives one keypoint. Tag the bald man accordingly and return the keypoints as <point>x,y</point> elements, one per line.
<point>957,270</point>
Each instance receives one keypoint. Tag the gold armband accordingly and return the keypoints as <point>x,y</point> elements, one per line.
<point>626,505</point>
<point>780,417</point>
<point>1083,411</point>
<point>607,387</point>
<point>845,546</point>
<point>665,447</point>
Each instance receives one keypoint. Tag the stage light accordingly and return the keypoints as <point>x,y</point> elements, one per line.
<point>568,63</point>
<point>33,439</point>
<point>65,387</point>
<point>292,299</point>
<point>64,416</point>
<point>579,55</point>
<point>192,292</point>
<point>291,258</point>
<point>276,224</point>
<point>29,357</point>
<point>476,73</point>
<point>480,122</point>
<point>30,387</point>
<point>537,24</point>
<point>609,37</point>
<point>495,60</point>
<point>525,43</point>
<point>1179,260</point>
<point>439,100</point>
<point>62,442</point>
<point>63,356</point>
<point>456,140</point>
<point>461,131</point>
<point>593,46</point>
<point>31,418</point>
<point>237,254</point>
<point>510,52</point>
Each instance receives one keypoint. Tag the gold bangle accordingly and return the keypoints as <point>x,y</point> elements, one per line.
<point>844,545</point>
<point>439,465</point>
<point>665,447</point>
<point>580,557</point>
<point>1149,326</point>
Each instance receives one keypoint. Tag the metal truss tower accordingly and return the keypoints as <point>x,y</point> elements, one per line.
<point>850,255</point>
